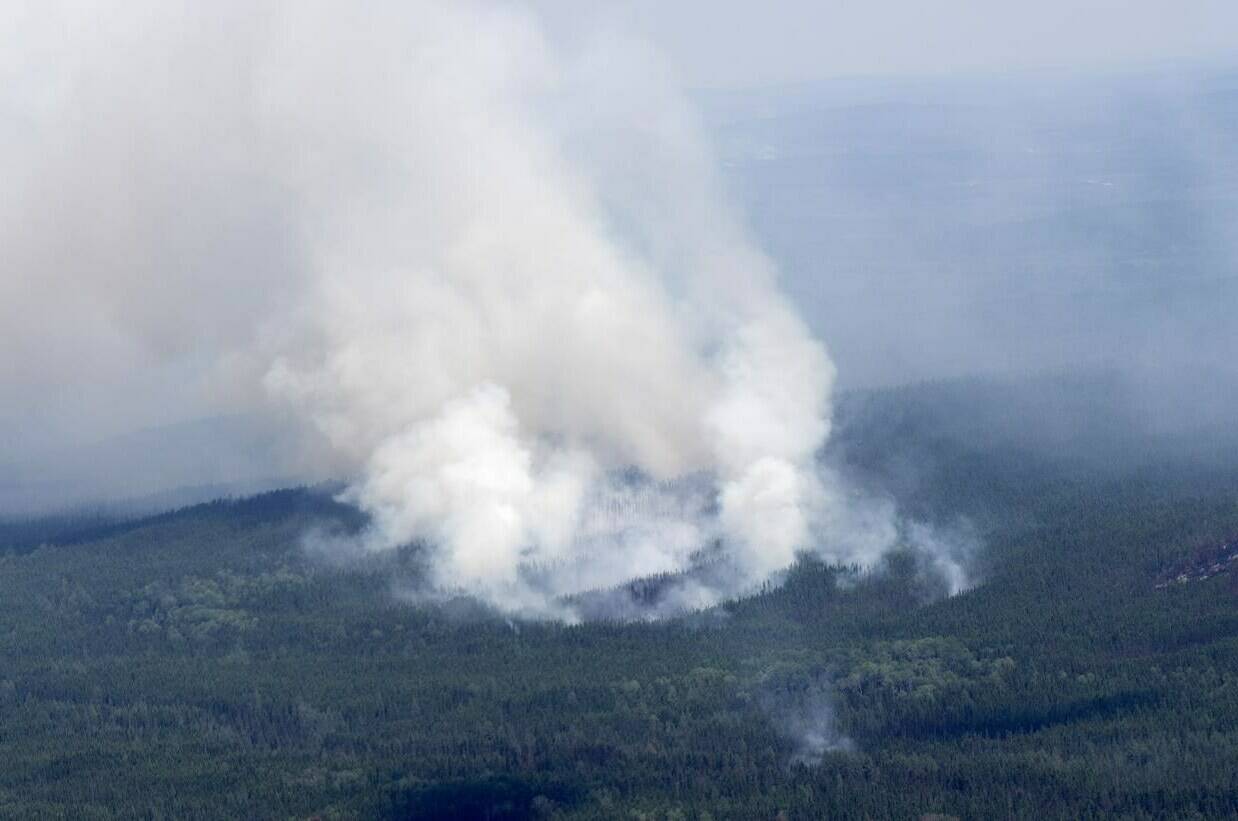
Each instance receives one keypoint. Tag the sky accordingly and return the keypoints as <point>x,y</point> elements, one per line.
<point>731,43</point>
<point>154,256</point>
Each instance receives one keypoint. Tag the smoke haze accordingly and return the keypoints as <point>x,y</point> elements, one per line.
<point>416,233</point>
<point>483,263</point>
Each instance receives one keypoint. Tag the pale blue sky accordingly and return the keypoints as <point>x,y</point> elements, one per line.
<point>723,43</point>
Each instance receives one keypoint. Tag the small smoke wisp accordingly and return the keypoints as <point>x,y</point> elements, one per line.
<point>947,552</point>
<point>807,719</point>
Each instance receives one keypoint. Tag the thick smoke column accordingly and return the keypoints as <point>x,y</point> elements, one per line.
<point>499,281</point>
<point>491,337</point>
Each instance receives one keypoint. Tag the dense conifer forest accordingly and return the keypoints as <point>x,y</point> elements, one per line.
<point>200,664</point>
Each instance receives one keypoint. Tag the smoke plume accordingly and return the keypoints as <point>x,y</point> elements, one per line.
<point>803,713</point>
<point>496,281</point>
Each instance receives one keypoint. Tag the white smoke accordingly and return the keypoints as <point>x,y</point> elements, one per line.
<point>504,277</point>
<point>492,335</point>
<point>804,714</point>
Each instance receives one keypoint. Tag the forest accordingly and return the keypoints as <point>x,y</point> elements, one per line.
<point>200,663</point>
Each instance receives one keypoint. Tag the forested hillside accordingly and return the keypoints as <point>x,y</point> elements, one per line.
<point>201,664</point>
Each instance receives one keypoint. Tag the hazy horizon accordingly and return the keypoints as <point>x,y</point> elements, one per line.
<point>1017,209</point>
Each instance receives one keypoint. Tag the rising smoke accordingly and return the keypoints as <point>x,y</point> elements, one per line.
<point>498,281</point>
<point>803,713</point>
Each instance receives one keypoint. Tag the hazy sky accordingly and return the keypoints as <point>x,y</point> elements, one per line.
<point>723,43</point>
<point>154,240</point>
